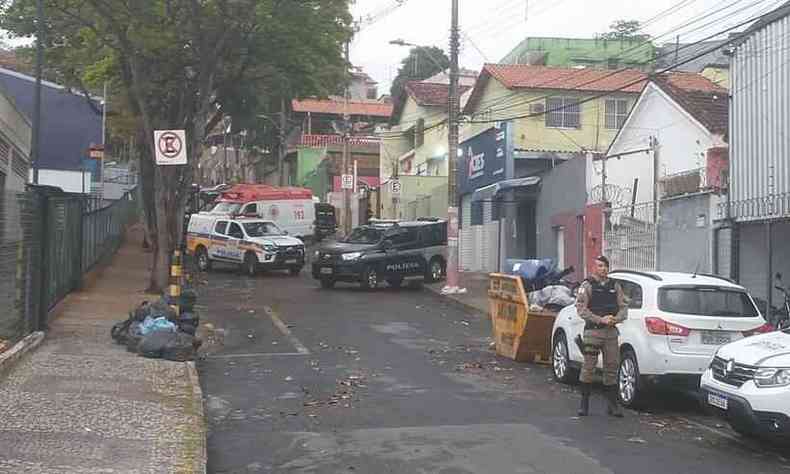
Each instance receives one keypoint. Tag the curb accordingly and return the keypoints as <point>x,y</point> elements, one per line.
<point>201,456</point>
<point>458,304</point>
<point>9,358</point>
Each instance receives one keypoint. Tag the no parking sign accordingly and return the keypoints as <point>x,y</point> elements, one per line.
<point>170,147</point>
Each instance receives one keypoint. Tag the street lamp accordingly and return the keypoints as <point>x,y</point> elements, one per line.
<point>401,42</point>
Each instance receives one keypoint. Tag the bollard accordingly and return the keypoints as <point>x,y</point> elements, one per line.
<point>175,282</point>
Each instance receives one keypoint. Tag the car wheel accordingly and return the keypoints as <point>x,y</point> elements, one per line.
<point>395,282</point>
<point>250,265</point>
<point>370,278</point>
<point>294,271</point>
<point>561,361</point>
<point>203,262</point>
<point>327,283</point>
<point>629,388</point>
<point>435,270</point>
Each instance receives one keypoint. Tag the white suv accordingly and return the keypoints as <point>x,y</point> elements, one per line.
<point>748,383</point>
<point>676,322</point>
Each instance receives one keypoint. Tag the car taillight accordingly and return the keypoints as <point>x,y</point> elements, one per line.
<point>663,328</point>
<point>759,330</point>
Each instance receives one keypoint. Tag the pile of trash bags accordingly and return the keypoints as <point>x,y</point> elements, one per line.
<point>537,274</point>
<point>154,330</point>
<point>551,298</point>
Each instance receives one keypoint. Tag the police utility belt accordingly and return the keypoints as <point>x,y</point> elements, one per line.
<point>588,325</point>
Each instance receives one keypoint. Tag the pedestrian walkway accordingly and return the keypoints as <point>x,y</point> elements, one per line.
<point>82,404</point>
<point>476,296</point>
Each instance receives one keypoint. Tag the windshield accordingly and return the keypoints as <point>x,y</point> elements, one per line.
<point>261,229</point>
<point>365,235</point>
<point>707,301</point>
<point>226,208</point>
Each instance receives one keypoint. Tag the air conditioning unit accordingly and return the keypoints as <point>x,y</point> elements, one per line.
<point>537,108</point>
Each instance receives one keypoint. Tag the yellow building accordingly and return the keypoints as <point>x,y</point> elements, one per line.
<point>416,146</point>
<point>564,110</point>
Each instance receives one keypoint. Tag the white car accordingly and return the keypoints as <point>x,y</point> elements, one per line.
<point>676,322</point>
<point>748,383</point>
<point>251,243</point>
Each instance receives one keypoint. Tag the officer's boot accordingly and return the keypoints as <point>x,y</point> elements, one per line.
<point>613,407</point>
<point>584,409</point>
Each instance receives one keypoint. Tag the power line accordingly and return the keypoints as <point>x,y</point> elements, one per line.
<point>621,88</point>
<point>687,60</point>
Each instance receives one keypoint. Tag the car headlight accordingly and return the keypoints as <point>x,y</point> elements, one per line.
<point>317,254</point>
<point>772,377</point>
<point>268,247</point>
<point>351,256</point>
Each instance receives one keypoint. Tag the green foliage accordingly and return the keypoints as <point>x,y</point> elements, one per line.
<point>625,30</point>
<point>421,63</point>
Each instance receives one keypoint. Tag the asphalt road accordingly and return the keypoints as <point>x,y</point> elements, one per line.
<point>303,380</point>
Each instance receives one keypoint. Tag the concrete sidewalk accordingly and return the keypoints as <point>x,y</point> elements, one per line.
<point>476,297</point>
<point>82,404</point>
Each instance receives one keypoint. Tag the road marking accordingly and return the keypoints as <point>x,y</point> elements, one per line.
<point>260,354</point>
<point>300,348</point>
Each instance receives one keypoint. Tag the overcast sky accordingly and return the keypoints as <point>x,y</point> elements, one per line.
<point>491,28</point>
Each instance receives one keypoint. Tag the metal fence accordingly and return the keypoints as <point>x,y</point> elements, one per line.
<point>630,237</point>
<point>20,264</point>
<point>48,241</point>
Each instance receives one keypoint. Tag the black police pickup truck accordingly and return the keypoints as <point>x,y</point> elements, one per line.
<point>391,252</point>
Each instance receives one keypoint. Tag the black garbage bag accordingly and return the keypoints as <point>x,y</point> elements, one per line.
<point>187,300</point>
<point>161,309</point>
<point>181,348</point>
<point>188,323</point>
<point>141,312</point>
<point>133,337</point>
<point>120,331</point>
<point>153,345</point>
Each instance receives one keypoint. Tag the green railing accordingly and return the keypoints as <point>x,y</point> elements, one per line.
<point>48,241</point>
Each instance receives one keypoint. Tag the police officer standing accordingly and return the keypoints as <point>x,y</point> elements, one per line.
<point>602,305</point>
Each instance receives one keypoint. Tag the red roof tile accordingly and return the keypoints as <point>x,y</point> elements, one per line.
<point>521,76</point>
<point>706,101</point>
<point>431,94</point>
<point>337,107</point>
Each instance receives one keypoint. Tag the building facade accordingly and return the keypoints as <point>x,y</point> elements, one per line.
<point>753,245</point>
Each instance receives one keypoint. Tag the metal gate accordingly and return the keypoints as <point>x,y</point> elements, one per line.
<point>629,237</point>
<point>466,241</point>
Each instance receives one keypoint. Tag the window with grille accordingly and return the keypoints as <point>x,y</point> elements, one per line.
<point>19,165</point>
<point>563,112</point>
<point>616,112</point>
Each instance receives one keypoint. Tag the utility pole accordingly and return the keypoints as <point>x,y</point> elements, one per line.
<point>35,145</point>
<point>283,145</point>
<point>452,157</point>
<point>346,158</point>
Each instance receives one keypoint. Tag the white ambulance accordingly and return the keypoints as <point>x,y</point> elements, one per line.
<point>292,209</point>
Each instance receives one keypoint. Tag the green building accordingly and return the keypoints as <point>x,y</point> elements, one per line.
<point>581,52</point>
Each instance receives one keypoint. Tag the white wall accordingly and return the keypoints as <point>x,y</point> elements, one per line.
<point>683,144</point>
<point>68,181</point>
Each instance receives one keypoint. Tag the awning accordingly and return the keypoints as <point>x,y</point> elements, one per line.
<point>490,192</point>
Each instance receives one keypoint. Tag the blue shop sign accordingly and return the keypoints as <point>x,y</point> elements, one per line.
<point>486,159</point>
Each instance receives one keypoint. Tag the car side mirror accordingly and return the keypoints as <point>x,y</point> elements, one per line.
<point>779,276</point>
<point>285,232</point>
<point>386,245</point>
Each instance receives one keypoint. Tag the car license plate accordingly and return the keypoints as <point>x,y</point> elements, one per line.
<point>715,338</point>
<point>718,401</point>
<point>326,271</point>
<point>288,262</point>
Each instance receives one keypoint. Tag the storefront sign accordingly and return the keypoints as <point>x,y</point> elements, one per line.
<point>485,159</point>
